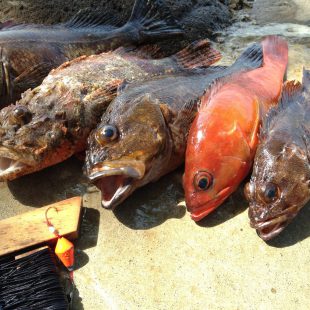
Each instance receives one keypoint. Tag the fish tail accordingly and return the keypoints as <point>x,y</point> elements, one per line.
<point>275,51</point>
<point>154,20</point>
<point>197,54</point>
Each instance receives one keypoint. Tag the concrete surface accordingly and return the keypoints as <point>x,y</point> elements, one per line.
<point>148,254</point>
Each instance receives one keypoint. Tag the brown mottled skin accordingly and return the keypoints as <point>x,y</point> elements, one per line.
<point>29,52</point>
<point>280,182</point>
<point>52,122</point>
<point>151,122</point>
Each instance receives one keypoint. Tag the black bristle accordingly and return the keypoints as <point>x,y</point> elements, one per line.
<point>30,283</point>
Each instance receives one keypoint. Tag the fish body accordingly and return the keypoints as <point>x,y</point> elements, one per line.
<point>224,135</point>
<point>52,121</point>
<point>142,136</point>
<point>280,181</point>
<point>29,52</point>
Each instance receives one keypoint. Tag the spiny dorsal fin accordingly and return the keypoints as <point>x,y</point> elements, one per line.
<point>198,54</point>
<point>290,93</point>
<point>306,79</point>
<point>90,18</point>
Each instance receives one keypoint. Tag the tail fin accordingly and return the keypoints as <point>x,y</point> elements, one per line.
<point>154,20</point>
<point>198,54</point>
<point>306,79</point>
<point>275,50</point>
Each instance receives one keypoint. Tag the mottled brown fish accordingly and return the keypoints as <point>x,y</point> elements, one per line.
<point>280,182</point>
<point>29,52</point>
<point>52,122</point>
<point>143,134</point>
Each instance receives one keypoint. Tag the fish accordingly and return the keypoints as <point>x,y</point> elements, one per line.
<point>280,182</point>
<point>52,121</point>
<point>142,136</point>
<point>224,135</point>
<point>28,52</point>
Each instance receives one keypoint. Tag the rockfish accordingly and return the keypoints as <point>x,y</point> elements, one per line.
<point>224,135</point>
<point>29,52</point>
<point>142,135</point>
<point>280,182</point>
<point>52,121</point>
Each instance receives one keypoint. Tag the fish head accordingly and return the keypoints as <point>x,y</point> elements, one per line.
<point>29,141</point>
<point>128,149</point>
<point>279,186</point>
<point>216,162</point>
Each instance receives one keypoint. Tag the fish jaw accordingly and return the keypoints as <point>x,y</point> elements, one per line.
<point>198,213</point>
<point>13,165</point>
<point>116,180</point>
<point>269,228</point>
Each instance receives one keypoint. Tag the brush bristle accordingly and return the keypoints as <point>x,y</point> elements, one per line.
<point>31,282</point>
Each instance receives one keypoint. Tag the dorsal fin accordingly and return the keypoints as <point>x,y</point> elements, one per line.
<point>306,79</point>
<point>290,93</point>
<point>91,18</point>
<point>197,54</point>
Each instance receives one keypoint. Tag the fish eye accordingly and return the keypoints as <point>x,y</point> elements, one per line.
<point>203,180</point>
<point>21,115</point>
<point>271,192</point>
<point>106,134</point>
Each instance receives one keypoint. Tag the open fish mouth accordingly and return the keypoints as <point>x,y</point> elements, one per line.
<point>11,167</point>
<point>272,227</point>
<point>116,182</point>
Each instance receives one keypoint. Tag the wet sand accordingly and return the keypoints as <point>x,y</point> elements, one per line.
<point>149,254</point>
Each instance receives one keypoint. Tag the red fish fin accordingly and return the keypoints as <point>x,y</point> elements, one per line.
<point>154,19</point>
<point>253,141</point>
<point>146,51</point>
<point>93,18</point>
<point>306,79</point>
<point>198,54</point>
<point>275,49</point>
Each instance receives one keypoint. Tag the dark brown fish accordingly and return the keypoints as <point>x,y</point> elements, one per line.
<point>29,52</point>
<point>143,134</point>
<point>280,182</point>
<point>52,122</point>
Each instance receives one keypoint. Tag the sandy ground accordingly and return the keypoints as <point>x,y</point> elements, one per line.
<point>148,254</point>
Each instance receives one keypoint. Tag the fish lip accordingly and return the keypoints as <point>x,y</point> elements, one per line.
<point>203,210</point>
<point>276,224</point>
<point>11,165</point>
<point>106,171</point>
<point>117,198</point>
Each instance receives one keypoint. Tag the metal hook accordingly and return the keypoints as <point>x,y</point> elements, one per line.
<point>51,227</point>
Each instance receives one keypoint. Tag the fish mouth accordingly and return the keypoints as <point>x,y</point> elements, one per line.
<point>199,212</point>
<point>270,228</point>
<point>116,181</point>
<point>11,166</point>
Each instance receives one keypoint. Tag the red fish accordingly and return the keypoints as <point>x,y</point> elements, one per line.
<point>224,135</point>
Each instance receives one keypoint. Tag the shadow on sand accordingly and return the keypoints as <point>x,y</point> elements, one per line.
<point>233,206</point>
<point>153,204</point>
<point>52,184</point>
<point>296,231</point>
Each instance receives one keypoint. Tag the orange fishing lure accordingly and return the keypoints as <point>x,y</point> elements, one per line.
<point>224,135</point>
